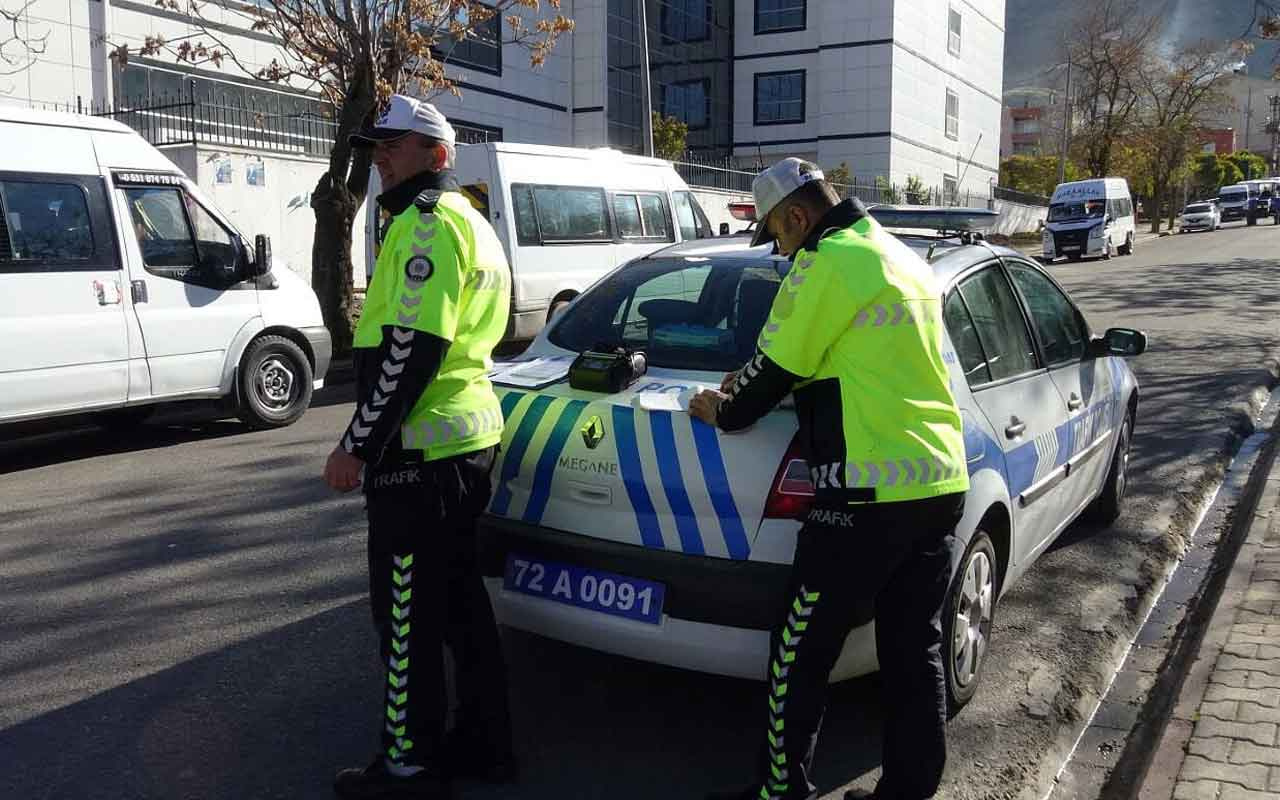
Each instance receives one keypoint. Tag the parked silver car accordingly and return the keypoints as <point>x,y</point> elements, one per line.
<point>1200,216</point>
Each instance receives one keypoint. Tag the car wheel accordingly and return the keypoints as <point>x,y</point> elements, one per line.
<point>275,383</point>
<point>1253,221</point>
<point>1073,257</point>
<point>1106,509</point>
<point>1126,249</point>
<point>967,617</point>
<point>123,419</point>
<point>1106,250</point>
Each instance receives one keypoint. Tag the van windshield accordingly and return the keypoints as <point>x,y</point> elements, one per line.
<point>1077,209</point>
<point>1233,196</point>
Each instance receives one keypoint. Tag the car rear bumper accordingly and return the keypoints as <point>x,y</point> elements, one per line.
<point>716,617</point>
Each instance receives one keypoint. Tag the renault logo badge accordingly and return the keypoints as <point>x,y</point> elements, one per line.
<point>593,433</point>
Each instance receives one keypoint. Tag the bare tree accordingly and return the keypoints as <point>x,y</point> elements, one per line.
<point>1110,41</point>
<point>18,48</point>
<point>1179,97</point>
<point>357,53</point>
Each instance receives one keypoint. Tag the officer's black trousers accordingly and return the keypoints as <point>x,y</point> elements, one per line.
<point>427,592</point>
<point>889,562</point>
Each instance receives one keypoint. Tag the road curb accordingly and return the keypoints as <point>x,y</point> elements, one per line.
<point>1086,757</point>
<point>1185,651</point>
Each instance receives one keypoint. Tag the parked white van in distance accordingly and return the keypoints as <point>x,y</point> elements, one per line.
<point>122,287</point>
<point>566,216</point>
<point>1090,218</point>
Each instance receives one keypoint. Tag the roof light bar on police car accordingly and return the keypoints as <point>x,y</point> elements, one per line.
<point>934,218</point>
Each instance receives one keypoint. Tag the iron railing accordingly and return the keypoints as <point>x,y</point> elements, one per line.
<point>1015,196</point>
<point>178,120</point>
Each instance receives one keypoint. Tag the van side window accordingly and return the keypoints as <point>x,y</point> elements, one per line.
<point>642,216</point>
<point>47,226</point>
<point>690,217</point>
<point>181,241</point>
<point>560,214</point>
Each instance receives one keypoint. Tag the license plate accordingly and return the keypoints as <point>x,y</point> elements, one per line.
<point>1071,248</point>
<point>594,590</point>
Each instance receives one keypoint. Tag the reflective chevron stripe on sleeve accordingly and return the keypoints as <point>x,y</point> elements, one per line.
<point>367,416</point>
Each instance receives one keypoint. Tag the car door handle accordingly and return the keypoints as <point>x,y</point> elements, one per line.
<point>1015,428</point>
<point>1074,403</point>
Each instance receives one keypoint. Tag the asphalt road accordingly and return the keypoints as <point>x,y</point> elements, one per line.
<point>182,612</point>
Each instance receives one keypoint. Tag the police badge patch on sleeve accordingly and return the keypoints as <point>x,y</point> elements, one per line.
<point>418,269</point>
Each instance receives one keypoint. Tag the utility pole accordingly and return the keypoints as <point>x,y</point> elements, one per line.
<point>646,90</point>
<point>1066,124</point>
<point>1273,127</point>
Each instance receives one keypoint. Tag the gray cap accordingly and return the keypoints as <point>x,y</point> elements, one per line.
<point>774,185</point>
<point>405,115</point>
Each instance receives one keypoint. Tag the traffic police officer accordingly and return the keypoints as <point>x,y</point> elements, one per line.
<point>425,432</point>
<point>855,334</point>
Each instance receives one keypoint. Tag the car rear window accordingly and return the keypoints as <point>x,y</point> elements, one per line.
<point>684,313</point>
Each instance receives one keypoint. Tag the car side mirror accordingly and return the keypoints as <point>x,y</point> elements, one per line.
<point>261,255</point>
<point>1121,342</point>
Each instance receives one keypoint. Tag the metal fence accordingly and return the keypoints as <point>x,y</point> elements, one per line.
<point>726,175</point>
<point>177,120</point>
<point>1015,196</point>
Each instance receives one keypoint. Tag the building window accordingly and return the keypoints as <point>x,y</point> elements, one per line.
<point>953,115</point>
<point>480,48</point>
<point>953,32</point>
<point>950,190</point>
<point>779,97</point>
<point>475,133</point>
<point>686,20</point>
<point>778,16</point>
<point>687,101</point>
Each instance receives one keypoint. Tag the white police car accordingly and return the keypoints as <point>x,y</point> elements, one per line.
<point>621,524</point>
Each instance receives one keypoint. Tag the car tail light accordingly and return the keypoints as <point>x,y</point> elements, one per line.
<point>791,493</point>
<point>744,212</point>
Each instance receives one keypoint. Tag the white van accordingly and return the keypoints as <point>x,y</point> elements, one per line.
<point>121,286</point>
<point>1090,218</point>
<point>566,216</point>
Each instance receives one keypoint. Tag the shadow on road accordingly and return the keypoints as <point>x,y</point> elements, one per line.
<point>274,716</point>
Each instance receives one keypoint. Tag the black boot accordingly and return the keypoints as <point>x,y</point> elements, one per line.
<point>375,782</point>
<point>468,757</point>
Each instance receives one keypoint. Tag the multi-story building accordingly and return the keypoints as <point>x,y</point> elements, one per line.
<point>1027,131</point>
<point>892,88</point>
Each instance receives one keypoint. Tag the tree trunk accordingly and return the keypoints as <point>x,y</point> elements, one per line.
<point>331,263</point>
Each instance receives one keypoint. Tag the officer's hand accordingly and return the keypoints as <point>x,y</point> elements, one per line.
<point>342,470</point>
<point>705,405</point>
<point>730,379</point>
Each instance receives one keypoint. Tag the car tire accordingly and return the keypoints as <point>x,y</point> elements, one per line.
<point>1073,257</point>
<point>1126,249</point>
<point>123,419</point>
<point>967,617</point>
<point>1253,221</point>
<point>274,383</point>
<point>1106,250</point>
<point>1107,507</point>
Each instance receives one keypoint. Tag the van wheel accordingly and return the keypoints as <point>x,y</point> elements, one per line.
<point>275,383</point>
<point>1106,509</point>
<point>1252,221</point>
<point>966,619</point>
<point>1126,249</point>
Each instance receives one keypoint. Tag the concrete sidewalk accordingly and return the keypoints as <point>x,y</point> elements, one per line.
<point>1223,741</point>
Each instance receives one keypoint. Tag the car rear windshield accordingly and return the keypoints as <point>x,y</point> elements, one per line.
<point>1199,208</point>
<point>1080,209</point>
<point>684,313</point>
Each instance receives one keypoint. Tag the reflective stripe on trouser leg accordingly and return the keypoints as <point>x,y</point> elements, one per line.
<point>398,662</point>
<point>776,784</point>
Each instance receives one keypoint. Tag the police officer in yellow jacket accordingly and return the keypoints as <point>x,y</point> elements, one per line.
<point>425,432</point>
<point>855,334</point>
